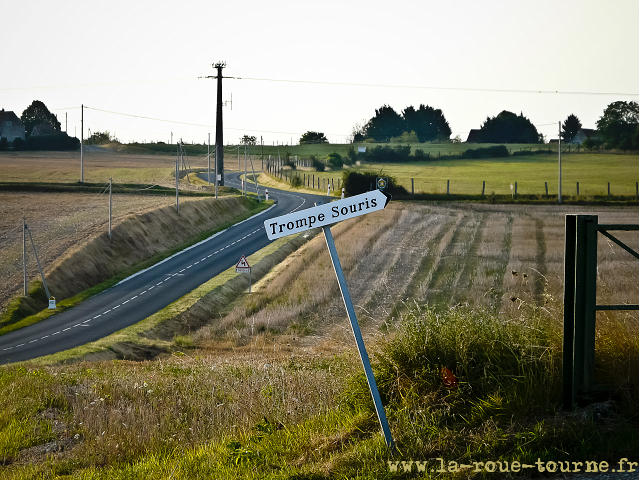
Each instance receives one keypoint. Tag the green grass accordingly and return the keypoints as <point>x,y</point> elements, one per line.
<point>593,171</point>
<point>202,418</point>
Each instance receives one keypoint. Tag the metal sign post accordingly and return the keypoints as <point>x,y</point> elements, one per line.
<point>243,266</point>
<point>324,215</point>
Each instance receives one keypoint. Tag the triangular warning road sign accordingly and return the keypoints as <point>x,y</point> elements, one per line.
<point>242,263</point>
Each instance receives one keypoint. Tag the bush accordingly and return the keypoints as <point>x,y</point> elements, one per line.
<point>60,141</point>
<point>385,154</point>
<point>495,151</point>
<point>290,163</point>
<point>3,144</point>
<point>420,156</point>
<point>335,161</point>
<point>296,181</point>
<point>19,144</point>
<point>351,155</point>
<point>317,165</point>
<point>362,182</point>
<point>524,153</point>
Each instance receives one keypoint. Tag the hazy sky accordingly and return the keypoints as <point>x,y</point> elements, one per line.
<point>470,58</point>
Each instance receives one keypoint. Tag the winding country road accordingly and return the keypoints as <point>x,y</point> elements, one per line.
<point>150,290</point>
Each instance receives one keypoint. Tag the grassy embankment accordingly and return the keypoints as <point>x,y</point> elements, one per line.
<point>255,395</point>
<point>138,242</point>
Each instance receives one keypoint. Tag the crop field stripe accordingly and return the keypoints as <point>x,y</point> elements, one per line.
<point>540,260</point>
<point>465,282</point>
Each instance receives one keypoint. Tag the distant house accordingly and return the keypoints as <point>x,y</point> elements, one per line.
<point>586,133</point>
<point>11,127</point>
<point>43,130</point>
<point>473,136</point>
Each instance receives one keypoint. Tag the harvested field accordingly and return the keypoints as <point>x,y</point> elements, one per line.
<point>494,257</point>
<point>99,165</point>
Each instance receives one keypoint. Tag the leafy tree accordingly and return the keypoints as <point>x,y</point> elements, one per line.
<point>427,122</point>
<point>386,124</point>
<point>38,114</point>
<point>570,127</point>
<point>313,138</point>
<point>508,127</point>
<point>248,140</point>
<point>618,125</point>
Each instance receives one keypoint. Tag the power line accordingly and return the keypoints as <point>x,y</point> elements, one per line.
<point>427,87</point>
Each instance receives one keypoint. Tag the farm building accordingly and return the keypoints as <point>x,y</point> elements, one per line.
<point>473,136</point>
<point>585,133</point>
<point>11,127</point>
<point>43,130</point>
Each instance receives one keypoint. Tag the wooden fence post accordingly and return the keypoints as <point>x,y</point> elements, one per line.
<point>577,188</point>
<point>412,186</point>
<point>483,188</point>
<point>447,187</point>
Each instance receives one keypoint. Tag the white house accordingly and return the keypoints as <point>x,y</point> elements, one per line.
<point>11,127</point>
<point>585,133</point>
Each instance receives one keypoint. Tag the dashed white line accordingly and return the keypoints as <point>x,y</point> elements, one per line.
<point>68,328</point>
<point>97,316</point>
<point>126,301</point>
<point>46,336</point>
<point>55,333</point>
<point>33,340</point>
<point>9,348</point>
<point>182,270</point>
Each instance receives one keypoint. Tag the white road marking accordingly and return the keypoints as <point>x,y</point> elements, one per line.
<point>33,340</point>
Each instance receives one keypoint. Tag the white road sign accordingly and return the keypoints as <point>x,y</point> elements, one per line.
<point>242,265</point>
<point>325,214</point>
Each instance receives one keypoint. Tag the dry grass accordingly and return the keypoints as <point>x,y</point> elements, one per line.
<point>494,257</point>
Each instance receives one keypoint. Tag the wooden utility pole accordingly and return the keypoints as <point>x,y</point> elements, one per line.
<point>219,135</point>
<point>110,205</point>
<point>559,163</point>
<point>82,145</point>
<point>24,253</point>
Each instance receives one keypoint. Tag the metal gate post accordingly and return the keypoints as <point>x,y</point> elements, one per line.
<point>590,300</point>
<point>585,301</point>
<point>569,312</point>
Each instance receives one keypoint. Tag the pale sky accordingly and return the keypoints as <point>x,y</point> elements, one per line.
<point>144,58</point>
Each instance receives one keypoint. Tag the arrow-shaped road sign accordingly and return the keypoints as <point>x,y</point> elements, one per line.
<point>326,214</point>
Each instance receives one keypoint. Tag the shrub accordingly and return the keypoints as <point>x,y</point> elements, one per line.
<point>385,154</point>
<point>335,161</point>
<point>495,151</point>
<point>60,141</point>
<point>3,144</point>
<point>317,165</point>
<point>420,155</point>
<point>19,144</point>
<point>296,181</point>
<point>351,155</point>
<point>524,153</point>
<point>362,182</point>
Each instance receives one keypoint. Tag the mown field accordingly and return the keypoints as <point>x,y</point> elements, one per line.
<point>272,387</point>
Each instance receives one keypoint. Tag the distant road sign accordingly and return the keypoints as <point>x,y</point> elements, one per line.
<point>382,183</point>
<point>242,266</point>
<point>326,214</point>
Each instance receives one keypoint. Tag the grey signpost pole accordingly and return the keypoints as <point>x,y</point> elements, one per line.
<point>324,215</point>
<point>372,385</point>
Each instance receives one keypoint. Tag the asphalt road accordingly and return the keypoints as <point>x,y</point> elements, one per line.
<point>149,291</point>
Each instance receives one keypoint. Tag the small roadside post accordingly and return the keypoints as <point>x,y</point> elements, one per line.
<point>324,215</point>
<point>243,266</point>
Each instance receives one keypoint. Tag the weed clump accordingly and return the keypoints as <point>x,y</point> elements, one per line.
<point>500,367</point>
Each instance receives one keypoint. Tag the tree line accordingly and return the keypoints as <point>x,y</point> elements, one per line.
<point>618,127</point>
